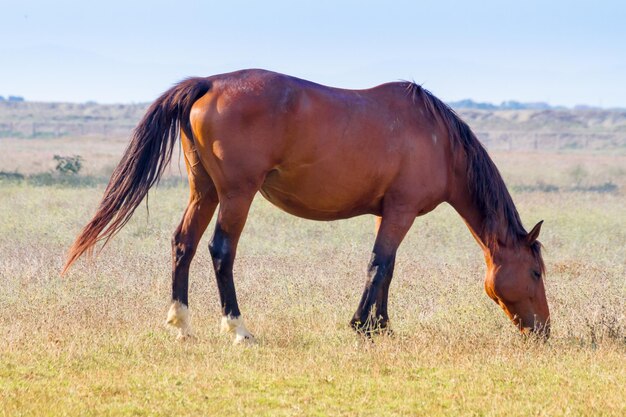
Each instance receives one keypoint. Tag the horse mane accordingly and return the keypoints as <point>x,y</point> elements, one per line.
<point>486,186</point>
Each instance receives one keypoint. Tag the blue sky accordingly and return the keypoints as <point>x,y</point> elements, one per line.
<point>563,52</point>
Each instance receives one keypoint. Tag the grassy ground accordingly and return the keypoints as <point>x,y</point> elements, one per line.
<point>94,343</point>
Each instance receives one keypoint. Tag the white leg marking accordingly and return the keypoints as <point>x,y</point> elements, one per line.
<point>178,316</point>
<point>235,325</point>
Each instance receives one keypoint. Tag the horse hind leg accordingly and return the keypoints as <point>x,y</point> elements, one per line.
<point>223,247</point>
<point>184,244</point>
<point>203,200</point>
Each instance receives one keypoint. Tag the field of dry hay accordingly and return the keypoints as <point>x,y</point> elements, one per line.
<point>94,343</point>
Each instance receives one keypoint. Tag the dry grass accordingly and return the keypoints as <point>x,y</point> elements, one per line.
<point>94,343</point>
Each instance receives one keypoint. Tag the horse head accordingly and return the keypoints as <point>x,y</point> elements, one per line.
<point>515,282</point>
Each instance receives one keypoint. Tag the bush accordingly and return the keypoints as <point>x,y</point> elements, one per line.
<point>15,176</point>
<point>68,164</point>
<point>578,174</point>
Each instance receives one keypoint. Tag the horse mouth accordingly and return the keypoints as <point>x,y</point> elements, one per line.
<point>539,330</point>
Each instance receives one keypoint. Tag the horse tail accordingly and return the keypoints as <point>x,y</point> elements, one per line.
<point>146,157</point>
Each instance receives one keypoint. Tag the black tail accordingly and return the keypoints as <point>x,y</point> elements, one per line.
<point>143,163</point>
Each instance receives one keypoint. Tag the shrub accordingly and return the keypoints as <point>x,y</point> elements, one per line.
<point>68,164</point>
<point>578,174</point>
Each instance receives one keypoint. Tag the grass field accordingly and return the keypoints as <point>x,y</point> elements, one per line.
<point>94,342</point>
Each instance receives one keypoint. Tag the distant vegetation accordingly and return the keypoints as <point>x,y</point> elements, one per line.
<point>468,103</point>
<point>68,164</point>
<point>42,120</point>
<point>13,99</point>
<point>505,105</point>
<point>509,126</point>
<point>549,129</point>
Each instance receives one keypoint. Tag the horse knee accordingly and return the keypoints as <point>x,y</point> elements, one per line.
<point>216,250</point>
<point>381,266</point>
<point>182,250</point>
<point>220,251</point>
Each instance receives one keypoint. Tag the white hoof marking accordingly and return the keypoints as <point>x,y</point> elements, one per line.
<point>178,316</point>
<point>235,326</point>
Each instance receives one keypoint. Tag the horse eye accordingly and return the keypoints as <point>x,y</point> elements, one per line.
<point>536,274</point>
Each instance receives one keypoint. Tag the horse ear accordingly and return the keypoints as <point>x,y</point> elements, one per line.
<point>534,234</point>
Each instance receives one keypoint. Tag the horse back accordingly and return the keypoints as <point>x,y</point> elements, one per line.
<point>323,152</point>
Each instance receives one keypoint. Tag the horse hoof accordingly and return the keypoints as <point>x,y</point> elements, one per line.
<point>371,328</point>
<point>244,340</point>
<point>178,317</point>
<point>183,338</point>
<point>234,325</point>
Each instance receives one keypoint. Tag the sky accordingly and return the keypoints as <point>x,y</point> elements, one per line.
<point>557,51</point>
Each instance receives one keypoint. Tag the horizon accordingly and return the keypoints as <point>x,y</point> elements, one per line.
<point>563,53</point>
<point>456,104</point>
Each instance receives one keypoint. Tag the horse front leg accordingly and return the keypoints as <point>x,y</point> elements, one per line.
<point>371,315</point>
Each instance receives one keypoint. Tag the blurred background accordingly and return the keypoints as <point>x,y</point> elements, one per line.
<point>527,76</point>
<point>561,52</point>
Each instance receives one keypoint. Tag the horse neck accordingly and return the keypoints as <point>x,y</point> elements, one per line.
<point>476,220</point>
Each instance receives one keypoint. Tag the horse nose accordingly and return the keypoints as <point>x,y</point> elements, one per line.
<point>539,330</point>
<point>542,328</point>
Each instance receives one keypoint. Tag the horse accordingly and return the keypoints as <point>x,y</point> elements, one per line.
<point>394,151</point>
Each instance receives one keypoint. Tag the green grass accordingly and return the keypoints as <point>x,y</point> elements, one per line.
<point>149,375</point>
<point>94,343</point>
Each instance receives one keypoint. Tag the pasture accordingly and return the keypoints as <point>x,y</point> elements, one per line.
<point>94,341</point>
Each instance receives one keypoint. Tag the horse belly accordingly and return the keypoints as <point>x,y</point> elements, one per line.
<point>317,197</point>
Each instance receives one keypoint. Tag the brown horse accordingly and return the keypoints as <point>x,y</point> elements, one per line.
<point>394,151</point>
